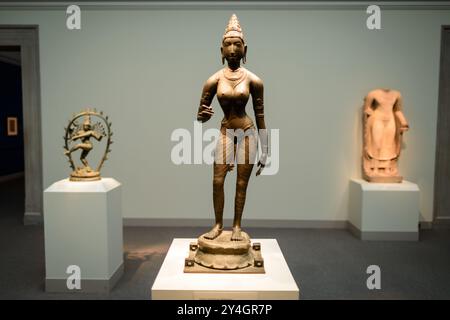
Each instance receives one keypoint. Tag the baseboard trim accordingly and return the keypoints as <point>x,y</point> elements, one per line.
<point>382,235</point>
<point>32,218</point>
<point>441,223</point>
<point>389,236</point>
<point>35,218</point>
<point>426,225</point>
<point>29,218</point>
<point>252,223</point>
<point>103,286</point>
<point>353,230</point>
<point>12,176</point>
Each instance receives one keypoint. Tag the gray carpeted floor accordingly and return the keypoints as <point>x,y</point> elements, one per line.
<point>326,264</point>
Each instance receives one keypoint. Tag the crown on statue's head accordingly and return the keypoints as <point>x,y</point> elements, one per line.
<point>233,29</point>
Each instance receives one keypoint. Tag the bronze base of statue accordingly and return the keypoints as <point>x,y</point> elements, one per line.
<point>83,174</point>
<point>222,255</point>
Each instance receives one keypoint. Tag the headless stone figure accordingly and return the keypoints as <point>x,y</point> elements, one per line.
<point>384,124</point>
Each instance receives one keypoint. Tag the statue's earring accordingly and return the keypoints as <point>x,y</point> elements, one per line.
<point>223,60</point>
<point>244,58</point>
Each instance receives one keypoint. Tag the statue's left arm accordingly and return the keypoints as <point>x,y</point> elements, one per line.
<point>257,92</point>
<point>205,110</point>
<point>97,135</point>
<point>398,111</point>
<point>80,134</point>
<point>368,101</point>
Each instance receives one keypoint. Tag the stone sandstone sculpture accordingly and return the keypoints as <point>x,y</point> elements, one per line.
<point>384,124</point>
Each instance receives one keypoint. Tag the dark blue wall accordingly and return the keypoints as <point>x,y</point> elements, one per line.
<point>11,148</point>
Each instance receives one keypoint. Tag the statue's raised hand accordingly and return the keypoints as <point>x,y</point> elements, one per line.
<point>205,113</point>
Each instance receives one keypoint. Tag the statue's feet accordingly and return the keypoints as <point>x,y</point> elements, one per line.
<point>236,235</point>
<point>214,233</point>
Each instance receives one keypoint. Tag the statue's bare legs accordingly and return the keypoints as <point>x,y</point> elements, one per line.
<point>83,156</point>
<point>84,153</point>
<point>224,156</point>
<point>67,152</point>
<point>244,170</point>
<point>220,171</point>
<point>243,176</point>
<point>214,232</point>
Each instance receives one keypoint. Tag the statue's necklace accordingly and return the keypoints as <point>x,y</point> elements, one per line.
<point>235,77</point>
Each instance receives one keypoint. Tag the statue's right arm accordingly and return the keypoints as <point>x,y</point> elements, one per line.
<point>78,136</point>
<point>398,111</point>
<point>368,100</point>
<point>205,111</point>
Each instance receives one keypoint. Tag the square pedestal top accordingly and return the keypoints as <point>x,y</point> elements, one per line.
<point>102,185</point>
<point>375,186</point>
<point>172,283</point>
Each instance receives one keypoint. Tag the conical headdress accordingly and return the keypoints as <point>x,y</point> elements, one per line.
<point>233,29</point>
<point>87,120</point>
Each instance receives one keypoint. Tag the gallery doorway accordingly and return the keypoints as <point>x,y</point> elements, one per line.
<point>12,193</point>
<point>442,166</point>
<point>27,123</point>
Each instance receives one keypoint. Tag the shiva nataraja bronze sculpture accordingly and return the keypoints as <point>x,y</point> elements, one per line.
<point>384,124</point>
<point>83,132</point>
<point>231,251</point>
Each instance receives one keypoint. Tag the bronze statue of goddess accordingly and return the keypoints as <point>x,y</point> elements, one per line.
<point>233,86</point>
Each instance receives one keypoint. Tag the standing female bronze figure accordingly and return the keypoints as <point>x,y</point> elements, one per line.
<point>233,86</point>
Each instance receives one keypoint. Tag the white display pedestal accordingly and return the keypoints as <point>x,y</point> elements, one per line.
<point>384,211</point>
<point>83,227</point>
<point>173,284</point>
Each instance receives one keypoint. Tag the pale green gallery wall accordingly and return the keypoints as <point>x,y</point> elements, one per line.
<point>146,68</point>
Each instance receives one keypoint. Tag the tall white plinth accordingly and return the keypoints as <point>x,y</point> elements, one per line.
<point>384,211</point>
<point>173,284</point>
<point>83,228</point>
